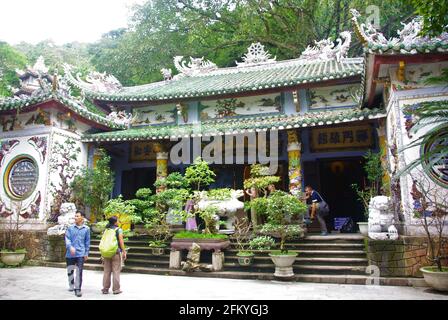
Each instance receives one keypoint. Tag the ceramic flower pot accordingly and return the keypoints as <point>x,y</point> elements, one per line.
<point>12,258</point>
<point>436,279</point>
<point>158,251</point>
<point>283,265</point>
<point>245,259</point>
<point>364,228</point>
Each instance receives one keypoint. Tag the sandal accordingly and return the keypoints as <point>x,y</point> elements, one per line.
<point>118,292</point>
<point>104,291</point>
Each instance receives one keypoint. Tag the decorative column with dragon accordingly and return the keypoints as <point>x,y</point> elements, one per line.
<point>382,142</point>
<point>294,167</point>
<point>162,162</point>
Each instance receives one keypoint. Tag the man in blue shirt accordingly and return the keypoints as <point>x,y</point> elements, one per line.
<point>77,243</point>
<point>317,206</point>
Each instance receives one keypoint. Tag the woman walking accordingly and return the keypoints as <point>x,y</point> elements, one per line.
<point>113,265</point>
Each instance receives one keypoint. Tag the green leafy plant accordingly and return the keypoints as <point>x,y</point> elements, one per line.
<point>374,173</point>
<point>196,235</point>
<point>242,233</point>
<point>208,215</point>
<point>262,243</point>
<point>92,187</point>
<point>144,204</point>
<point>280,208</point>
<point>199,174</point>
<point>124,210</point>
<point>174,180</point>
<point>159,230</point>
<point>219,194</point>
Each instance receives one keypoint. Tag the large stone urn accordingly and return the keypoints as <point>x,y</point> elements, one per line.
<point>436,279</point>
<point>283,265</point>
<point>13,258</point>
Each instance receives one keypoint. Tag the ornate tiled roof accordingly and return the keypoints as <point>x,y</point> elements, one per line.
<point>202,78</point>
<point>238,125</point>
<point>409,40</point>
<point>23,102</point>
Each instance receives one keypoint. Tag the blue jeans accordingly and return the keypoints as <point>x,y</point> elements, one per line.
<point>72,265</point>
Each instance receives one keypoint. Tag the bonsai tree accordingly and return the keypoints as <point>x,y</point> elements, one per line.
<point>375,173</point>
<point>280,208</point>
<point>431,207</point>
<point>93,186</point>
<point>257,184</point>
<point>158,229</point>
<point>174,180</point>
<point>123,210</point>
<point>241,235</point>
<point>209,215</point>
<point>144,204</point>
<point>64,165</point>
<point>11,233</point>
<point>262,243</point>
<point>199,175</point>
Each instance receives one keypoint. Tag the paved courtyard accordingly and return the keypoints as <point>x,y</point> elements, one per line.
<point>51,283</point>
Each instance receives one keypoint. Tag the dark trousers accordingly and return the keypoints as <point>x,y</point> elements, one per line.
<point>75,281</point>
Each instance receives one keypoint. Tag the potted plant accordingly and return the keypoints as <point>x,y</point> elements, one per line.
<point>280,208</point>
<point>123,210</point>
<point>12,254</point>
<point>375,174</point>
<point>144,207</point>
<point>241,235</point>
<point>256,186</point>
<point>159,230</point>
<point>431,207</point>
<point>92,188</point>
<point>262,243</point>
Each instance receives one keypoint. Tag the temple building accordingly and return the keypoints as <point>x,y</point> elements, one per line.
<point>326,109</point>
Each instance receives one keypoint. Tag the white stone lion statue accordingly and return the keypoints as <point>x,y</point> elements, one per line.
<point>381,219</point>
<point>227,208</point>
<point>65,219</point>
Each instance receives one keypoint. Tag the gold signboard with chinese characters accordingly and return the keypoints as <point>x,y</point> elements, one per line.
<point>142,151</point>
<point>336,138</point>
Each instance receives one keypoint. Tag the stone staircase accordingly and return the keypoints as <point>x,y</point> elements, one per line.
<point>336,258</point>
<point>330,258</point>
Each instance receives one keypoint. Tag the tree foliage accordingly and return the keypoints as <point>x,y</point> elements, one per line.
<point>10,60</point>
<point>435,15</point>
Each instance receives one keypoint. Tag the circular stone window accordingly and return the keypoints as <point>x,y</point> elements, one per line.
<point>438,170</point>
<point>21,177</point>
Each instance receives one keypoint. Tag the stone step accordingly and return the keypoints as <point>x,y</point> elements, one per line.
<point>316,278</point>
<point>309,261</point>
<point>312,253</point>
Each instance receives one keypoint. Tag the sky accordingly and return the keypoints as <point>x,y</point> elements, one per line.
<point>62,21</point>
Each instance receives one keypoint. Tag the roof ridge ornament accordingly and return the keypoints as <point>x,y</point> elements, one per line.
<point>408,36</point>
<point>195,67</point>
<point>256,54</point>
<point>326,50</point>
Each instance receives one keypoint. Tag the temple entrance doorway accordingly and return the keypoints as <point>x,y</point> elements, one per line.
<point>137,178</point>
<point>333,179</point>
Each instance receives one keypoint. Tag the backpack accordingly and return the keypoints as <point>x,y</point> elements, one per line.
<point>108,244</point>
<point>348,226</point>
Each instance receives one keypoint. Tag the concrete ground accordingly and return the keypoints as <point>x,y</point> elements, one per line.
<point>51,283</point>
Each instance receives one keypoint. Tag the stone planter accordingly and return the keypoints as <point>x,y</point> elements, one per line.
<point>363,228</point>
<point>158,251</point>
<point>205,244</point>
<point>245,259</point>
<point>56,249</point>
<point>436,279</point>
<point>283,265</point>
<point>12,258</point>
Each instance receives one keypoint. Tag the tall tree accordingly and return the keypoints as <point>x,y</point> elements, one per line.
<point>10,60</point>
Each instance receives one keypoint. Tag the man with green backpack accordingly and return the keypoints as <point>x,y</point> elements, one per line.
<point>112,252</point>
